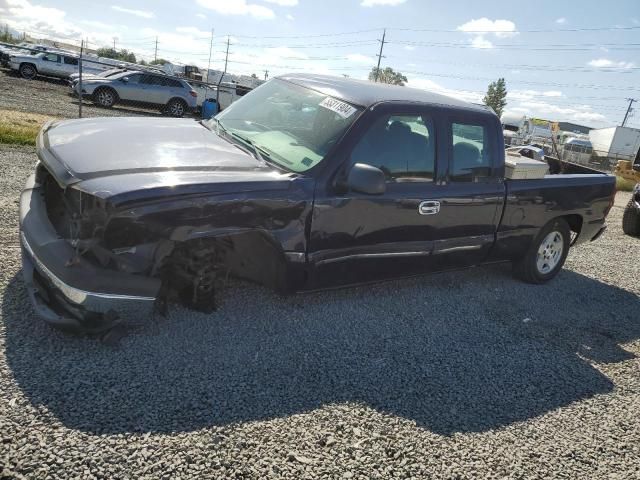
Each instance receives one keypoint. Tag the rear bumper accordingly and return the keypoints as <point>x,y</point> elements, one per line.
<point>78,294</point>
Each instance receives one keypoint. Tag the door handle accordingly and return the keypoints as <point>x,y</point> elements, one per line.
<point>430,207</point>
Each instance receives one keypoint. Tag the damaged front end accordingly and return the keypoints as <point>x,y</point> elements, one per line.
<point>88,270</point>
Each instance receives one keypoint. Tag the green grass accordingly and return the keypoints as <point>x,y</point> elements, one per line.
<point>624,184</point>
<point>20,128</point>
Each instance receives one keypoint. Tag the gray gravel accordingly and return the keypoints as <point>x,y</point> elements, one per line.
<point>49,96</point>
<point>459,375</point>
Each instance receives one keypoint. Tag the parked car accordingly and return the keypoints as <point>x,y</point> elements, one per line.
<point>88,76</point>
<point>173,95</point>
<point>50,64</point>
<point>126,213</point>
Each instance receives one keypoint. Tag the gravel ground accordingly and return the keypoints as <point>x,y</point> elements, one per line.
<point>459,375</point>
<point>49,96</point>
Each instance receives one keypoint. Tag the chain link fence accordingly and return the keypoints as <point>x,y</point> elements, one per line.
<point>69,81</point>
<point>76,80</point>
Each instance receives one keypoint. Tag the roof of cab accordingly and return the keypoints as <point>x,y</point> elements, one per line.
<point>366,93</point>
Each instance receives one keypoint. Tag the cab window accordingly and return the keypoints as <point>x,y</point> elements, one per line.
<point>70,61</point>
<point>471,153</point>
<point>402,146</point>
<point>51,57</point>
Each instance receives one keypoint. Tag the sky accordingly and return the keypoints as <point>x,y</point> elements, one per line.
<point>562,60</point>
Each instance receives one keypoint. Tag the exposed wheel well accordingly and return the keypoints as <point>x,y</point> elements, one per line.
<point>196,263</point>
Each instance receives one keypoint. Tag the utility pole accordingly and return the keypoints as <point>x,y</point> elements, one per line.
<point>155,54</point>
<point>266,74</point>
<point>626,115</point>
<point>384,33</point>
<point>80,80</point>
<point>114,44</point>
<point>226,56</point>
<point>210,50</point>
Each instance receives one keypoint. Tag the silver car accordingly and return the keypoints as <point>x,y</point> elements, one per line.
<point>173,95</point>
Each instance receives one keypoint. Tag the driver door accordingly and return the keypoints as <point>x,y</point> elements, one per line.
<point>359,237</point>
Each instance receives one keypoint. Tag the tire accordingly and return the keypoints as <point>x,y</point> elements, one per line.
<point>546,255</point>
<point>176,108</point>
<point>105,97</point>
<point>28,71</point>
<point>631,220</point>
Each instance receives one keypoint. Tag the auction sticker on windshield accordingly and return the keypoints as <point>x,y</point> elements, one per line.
<point>341,108</point>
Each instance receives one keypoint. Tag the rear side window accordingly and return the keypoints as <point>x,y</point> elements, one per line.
<point>70,61</point>
<point>402,146</point>
<point>173,83</point>
<point>471,153</point>
<point>150,80</point>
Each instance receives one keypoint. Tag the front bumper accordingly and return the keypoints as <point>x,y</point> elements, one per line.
<point>74,295</point>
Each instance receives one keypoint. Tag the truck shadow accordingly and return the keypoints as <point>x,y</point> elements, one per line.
<point>455,352</point>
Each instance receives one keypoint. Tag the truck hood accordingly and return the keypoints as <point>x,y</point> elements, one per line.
<point>110,157</point>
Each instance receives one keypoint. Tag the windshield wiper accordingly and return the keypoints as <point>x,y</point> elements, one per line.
<point>261,154</point>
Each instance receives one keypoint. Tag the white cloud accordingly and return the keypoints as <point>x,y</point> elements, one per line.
<point>359,58</point>
<point>201,15</point>
<point>481,42</point>
<point>237,7</point>
<point>606,63</point>
<point>431,86</point>
<point>522,95</point>
<point>499,28</point>
<point>290,17</point>
<point>193,31</point>
<point>37,20</point>
<point>561,21</point>
<point>483,27</point>
<point>283,3</point>
<point>130,11</point>
<point>373,3</point>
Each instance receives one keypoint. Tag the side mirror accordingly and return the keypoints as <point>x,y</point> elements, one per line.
<point>124,79</point>
<point>364,178</point>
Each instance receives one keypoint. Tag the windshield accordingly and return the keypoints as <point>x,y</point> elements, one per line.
<point>286,124</point>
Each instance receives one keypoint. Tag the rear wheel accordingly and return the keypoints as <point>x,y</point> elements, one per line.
<point>176,108</point>
<point>631,220</point>
<point>546,255</point>
<point>105,97</point>
<point>28,71</point>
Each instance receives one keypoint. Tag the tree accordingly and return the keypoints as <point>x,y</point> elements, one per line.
<point>158,61</point>
<point>6,36</point>
<point>387,75</point>
<point>496,96</point>
<point>253,75</point>
<point>123,55</point>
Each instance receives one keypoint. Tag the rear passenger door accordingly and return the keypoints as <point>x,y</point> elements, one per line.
<point>69,65</point>
<point>472,193</point>
<point>155,89</point>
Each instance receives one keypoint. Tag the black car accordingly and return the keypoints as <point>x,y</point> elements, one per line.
<point>370,182</point>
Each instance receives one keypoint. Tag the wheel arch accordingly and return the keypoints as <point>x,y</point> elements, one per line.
<point>575,222</point>
<point>250,254</point>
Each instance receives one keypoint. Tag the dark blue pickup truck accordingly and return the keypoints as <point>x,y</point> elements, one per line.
<point>308,182</point>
